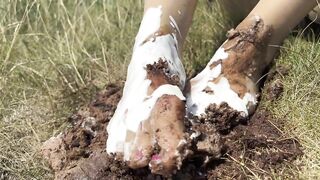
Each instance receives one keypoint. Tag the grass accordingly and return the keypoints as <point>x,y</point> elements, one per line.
<point>299,105</point>
<point>54,55</point>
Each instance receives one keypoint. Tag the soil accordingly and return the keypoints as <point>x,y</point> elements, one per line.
<point>233,149</point>
<point>159,73</point>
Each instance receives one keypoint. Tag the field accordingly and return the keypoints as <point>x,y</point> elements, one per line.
<point>56,55</point>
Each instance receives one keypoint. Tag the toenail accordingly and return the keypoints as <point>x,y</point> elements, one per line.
<point>139,155</point>
<point>156,157</point>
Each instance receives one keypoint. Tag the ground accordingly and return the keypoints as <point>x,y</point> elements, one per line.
<point>55,56</point>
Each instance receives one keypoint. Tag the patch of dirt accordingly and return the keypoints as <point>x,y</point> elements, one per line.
<point>233,149</point>
<point>255,148</point>
<point>275,86</point>
<point>275,90</point>
<point>159,73</point>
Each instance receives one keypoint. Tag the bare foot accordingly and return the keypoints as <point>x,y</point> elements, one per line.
<point>231,76</point>
<point>147,127</point>
<point>160,140</point>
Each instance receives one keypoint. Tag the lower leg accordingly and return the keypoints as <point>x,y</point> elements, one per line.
<point>282,15</point>
<point>152,105</point>
<point>175,16</point>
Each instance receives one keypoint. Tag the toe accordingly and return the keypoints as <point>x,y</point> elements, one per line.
<point>167,121</point>
<point>142,147</point>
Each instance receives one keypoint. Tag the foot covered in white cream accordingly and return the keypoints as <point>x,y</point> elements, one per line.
<point>160,140</point>
<point>147,127</point>
<point>230,78</point>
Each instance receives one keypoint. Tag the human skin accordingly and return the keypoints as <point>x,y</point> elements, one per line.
<point>181,11</point>
<point>281,15</point>
<point>156,78</point>
<point>290,13</point>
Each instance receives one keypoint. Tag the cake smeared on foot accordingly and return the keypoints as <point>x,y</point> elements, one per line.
<point>160,140</point>
<point>147,127</point>
<point>232,74</point>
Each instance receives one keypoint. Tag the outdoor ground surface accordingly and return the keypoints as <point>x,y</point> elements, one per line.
<point>56,55</point>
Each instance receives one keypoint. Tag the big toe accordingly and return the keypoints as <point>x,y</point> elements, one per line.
<point>143,147</point>
<point>167,121</point>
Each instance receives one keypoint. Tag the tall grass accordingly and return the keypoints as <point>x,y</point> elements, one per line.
<point>55,54</point>
<point>299,107</point>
